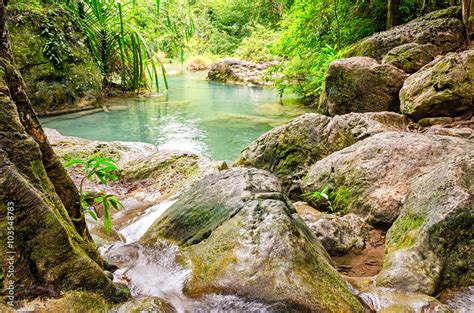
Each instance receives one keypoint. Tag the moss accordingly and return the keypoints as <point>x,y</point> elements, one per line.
<point>404,231</point>
<point>73,301</point>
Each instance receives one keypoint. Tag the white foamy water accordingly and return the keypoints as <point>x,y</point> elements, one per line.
<point>134,231</point>
<point>153,271</point>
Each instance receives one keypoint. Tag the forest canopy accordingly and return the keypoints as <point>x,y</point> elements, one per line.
<point>129,39</point>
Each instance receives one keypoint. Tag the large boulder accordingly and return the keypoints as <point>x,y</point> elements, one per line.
<point>372,177</point>
<point>239,71</point>
<point>52,55</point>
<point>411,57</point>
<point>361,84</point>
<point>338,234</point>
<point>430,244</point>
<point>288,150</point>
<point>442,28</point>
<point>244,237</point>
<point>445,87</point>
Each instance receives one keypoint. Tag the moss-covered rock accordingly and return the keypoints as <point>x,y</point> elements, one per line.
<point>379,171</point>
<point>411,56</point>
<point>240,72</point>
<point>429,247</point>
<point>53,58</point>
<point>53,251</point>
<point>442,29</point>
<point>288,150</point>
<point>243,237</point>
<point>445,87</point>
<point>361,84</point>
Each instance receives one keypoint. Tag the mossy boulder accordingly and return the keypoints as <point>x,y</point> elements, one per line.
<point>361,84</point>
<point>442,28</point>
<point>53,58</point>
<point>244,237</point>
<point>411,56</point>
<point>429,247</point>
<point>444,87</point>
<point>287,151</point>
<point>240,72</point>
<point>376,173</point>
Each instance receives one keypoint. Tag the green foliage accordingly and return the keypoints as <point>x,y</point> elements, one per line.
<point>314,32</point>
<point>101,169</point>
<point>55,48</point>
<point>333,200</point>
<point>257,47</point>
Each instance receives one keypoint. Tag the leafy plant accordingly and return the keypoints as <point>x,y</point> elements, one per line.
<point>101,169</point>
<point>329,199</point>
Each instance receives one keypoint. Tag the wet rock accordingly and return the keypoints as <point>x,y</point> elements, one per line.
<point>389,300</point>
<point>58,77</point>
<point>372,177</point>
<point>443,29</point>
<point>147,176</point>
<point>144,304</point>
<point>445,87</point>
<point>338,234</point>
<point>361,84</point>
<point>238,71</point>
<point>458,299</point>
<point>72,301</point>
<point>288,150</point>
<point>429,247</point>
<point>244,237</point>
<point>411,57</point>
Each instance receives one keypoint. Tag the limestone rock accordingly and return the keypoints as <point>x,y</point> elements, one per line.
<point>442,29</point>
<point>445,87</point>
<point>288,150</point>
<point>338,234</point>
<point>239,71</point>
<point>58,76</point>
<point>430,244</point>
<point>372,177</point>
<point>411,57</point>
<point>361,84</point>
<point>244,237</point>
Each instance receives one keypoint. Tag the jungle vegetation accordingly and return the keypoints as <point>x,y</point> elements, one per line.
<point>130,39</point>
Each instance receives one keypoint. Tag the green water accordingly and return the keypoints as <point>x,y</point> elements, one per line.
<point>213,119</point>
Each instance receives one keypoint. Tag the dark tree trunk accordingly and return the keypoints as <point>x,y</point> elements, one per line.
<point>392,13</point>
<point>51,247</point>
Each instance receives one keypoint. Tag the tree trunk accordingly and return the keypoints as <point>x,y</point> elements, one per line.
<point>392,13</point>
<point>43,234</point>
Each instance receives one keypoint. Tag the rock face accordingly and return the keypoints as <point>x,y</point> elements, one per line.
<point>288,150</point>
<point>238,71</point>
<point>430,244</point>
<point>53,250</point>
<point>441,28</point>
<point>361,84</point>
<point>244,237</point>
<point>338,234</point>
<point>53,58</point>
<point>372,177</point>
<point>445,87</point>
<point>411,56</point>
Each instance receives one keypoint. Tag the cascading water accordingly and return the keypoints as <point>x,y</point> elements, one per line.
<point>154,270</point>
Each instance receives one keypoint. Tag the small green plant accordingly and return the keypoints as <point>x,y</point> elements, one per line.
<point>329,199</point>
<point>102,169</point>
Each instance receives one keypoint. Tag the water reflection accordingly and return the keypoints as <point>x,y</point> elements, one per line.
<point>208,118</point>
